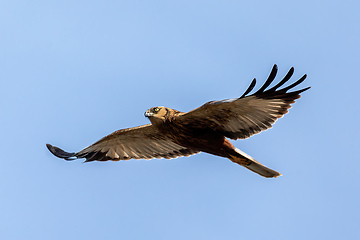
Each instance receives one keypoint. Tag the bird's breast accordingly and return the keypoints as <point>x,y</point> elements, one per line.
<point>192,136</point>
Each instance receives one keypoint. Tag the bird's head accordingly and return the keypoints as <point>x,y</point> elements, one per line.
<point>160,114</point>
<point>156,112</point>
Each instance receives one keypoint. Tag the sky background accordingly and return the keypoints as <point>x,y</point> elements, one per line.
<point>72,72</point>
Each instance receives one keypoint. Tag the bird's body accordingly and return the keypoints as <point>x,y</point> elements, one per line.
<point>188,134</point>
<point>173,133</point>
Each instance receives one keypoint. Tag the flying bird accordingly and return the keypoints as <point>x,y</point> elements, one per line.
<point>173,134</point>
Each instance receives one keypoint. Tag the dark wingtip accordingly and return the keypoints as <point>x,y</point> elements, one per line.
<point>274,91</point>
<point>271,78</point>
<point>252,85</point>
<point>283,81</point>
<point>294,84</point>
<point>60,153</point>
<point>303,90</point>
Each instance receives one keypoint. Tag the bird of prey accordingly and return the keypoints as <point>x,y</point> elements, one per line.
<point>173,134</point>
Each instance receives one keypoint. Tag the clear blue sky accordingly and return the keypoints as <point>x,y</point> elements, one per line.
<point>75,71</point>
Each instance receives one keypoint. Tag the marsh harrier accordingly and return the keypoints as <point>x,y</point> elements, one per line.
<point>172,133</point>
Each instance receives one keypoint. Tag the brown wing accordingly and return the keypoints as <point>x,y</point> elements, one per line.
<point>143,142</point>
<point>245,116</point>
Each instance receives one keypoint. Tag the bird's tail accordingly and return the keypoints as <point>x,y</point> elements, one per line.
<point>247,161</point>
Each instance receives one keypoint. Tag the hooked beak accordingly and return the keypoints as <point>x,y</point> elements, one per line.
<point>148,114</point>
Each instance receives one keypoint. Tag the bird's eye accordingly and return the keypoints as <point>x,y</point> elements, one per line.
<point>156,109</point>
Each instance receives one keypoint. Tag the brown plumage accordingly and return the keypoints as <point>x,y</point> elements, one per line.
<point>173,134</point>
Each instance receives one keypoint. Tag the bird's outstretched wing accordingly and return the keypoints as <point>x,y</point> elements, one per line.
<point>249,114</point>
<point>143,142</point>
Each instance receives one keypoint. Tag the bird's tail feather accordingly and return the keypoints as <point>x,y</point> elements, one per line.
<point>253,165</point>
